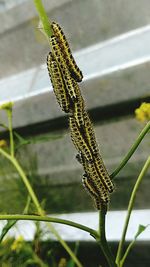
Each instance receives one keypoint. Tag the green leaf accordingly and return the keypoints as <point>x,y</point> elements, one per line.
<point>33,140</point>
<point>141,229</point>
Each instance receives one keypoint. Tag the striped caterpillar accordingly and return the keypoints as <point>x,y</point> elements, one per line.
<point>91,141</point>
<point>89,133</point>
<point>94,179</point>
<point>64,75</point>
<point>97,169</point>
<point>63,43</point>
<point>97,158</point>
<point>78,139</point>
<point>58,83</point>
<point>73,90</point>
<point>105,178</point>
<point>87,183</point>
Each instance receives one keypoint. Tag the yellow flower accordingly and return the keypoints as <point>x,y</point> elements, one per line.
<point>17,244</point>
<point>143,112</point>
<point>62,263</point>
<point>3,143</point>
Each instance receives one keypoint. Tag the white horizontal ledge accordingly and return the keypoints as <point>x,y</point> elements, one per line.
<point>122,52</point>
<point>114,226</point>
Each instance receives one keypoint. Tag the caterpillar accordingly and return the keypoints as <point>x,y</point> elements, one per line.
<point>103,173</point>
<point>58,83</point>
<point>78,139</point>
<point>99,173</point>
<point>73,68</point>
<point>97,158</point>
<point>90,189</point>
<point>93,176</point>
<point>89,133</point>
<point>73,90</point>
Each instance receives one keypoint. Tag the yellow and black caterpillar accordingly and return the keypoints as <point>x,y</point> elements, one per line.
<point>64,75</point>
<point>73,90</point>
<point>93,179</point>
<point>64,45</point>
<point>78,139</point>
<point>58,83</point>
<point>89,133</point>
<point>103,174</point>
<point>88,184</point>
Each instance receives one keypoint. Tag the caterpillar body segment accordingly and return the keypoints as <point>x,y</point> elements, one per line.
<point>89,133</point>
<point>71,85</point>
<point>64,45</point>
<point>104,174</point>
<point>58,83</point>
<point>97,203</point>
<point>89,185</point>
<point>91,191</point>
<point>78,140</point>
<point>99,187</point>
<point>94,177</point>
<point>78,112</point>
<point>100,167</point>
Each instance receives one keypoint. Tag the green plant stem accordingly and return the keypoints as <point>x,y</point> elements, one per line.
<point>28,185</point>
<point>102,238</point>
<point>91,231</point>
<point>9,115</point>
<point>37,204</point>
<point>24,178</point>
<point>130,207</point>
<point>43,17</point>
<point>132,150</point>
<point>126,253</point>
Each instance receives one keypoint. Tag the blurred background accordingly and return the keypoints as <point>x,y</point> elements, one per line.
<point>111,43</point>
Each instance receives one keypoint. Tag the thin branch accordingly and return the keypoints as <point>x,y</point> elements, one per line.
<point>28,185</point>
<point>9,115</point>
<point>102,238</point>
<point>130,207</point>
<point>132,150</point>
<point>91,231</point>
<point>126,253</point>
<point>43,17</point>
